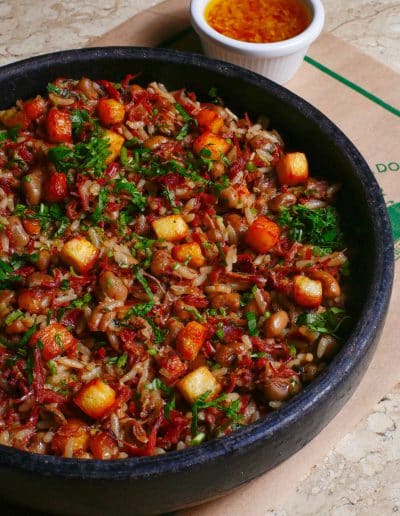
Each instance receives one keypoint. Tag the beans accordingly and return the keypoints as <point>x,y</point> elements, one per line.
<point>330,287</point>
<point>215,235</point>
<point>17,233</point>
<point>281,389</point>
<point>161,263</point>
<point>32,185</point>
<point>258,141</point>
<point>35,300</point>
<point>18,326</point>
<point>327,347</point>
<point>7,297</point>
<point>217,169</point>
<point>43,260</point>
<point>310,371</point>
<point>276,323</point>
<point>154,142</point>
<point>224,300</point>
<point>38,279</point>
<point>71,438</point>
<point>284,200</point>
<point>86,86</point>
<point>112,286</point>
<point>101,318</point>
<point>227,354</point>
<point>238,223</point>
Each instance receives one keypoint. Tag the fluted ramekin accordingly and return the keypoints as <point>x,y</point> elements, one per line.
<point>277,61</point>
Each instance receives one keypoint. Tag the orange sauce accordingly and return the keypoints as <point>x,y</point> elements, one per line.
<point>257,21</point>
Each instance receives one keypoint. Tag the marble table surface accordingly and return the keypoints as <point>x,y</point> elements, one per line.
<point>361,475</point>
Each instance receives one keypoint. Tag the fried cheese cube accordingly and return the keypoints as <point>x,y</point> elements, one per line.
<point>55,339</point>
<point>73,430</point>
<point>110,111</point>
<point>307,292</point>
<point>59,126</point>
<point>95,398</point>
<point>209,120</point>
<point>170,228</point>
<point>116,142</point>
<point>292,169</point>
<point>80,253</point>
<point>215,145</point>
<point>190,339</point>
<point>189,253</point>
<point>198,382</point>
<point>262,235</point>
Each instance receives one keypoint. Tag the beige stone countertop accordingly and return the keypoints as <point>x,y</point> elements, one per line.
<point>362,474</point>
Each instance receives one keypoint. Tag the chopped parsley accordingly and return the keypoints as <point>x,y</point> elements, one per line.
<point>231,411</point>
<point>319,227</point>
<point>10,134</point>
<point>79,118</point>
<point>138,200</point>
<point>89,157</point>
<point>324,322</point>
<point>252,323</point>
<point>7,275</point>
<point>81,302</point>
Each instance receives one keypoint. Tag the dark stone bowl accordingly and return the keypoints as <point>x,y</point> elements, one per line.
<point>180,479</point>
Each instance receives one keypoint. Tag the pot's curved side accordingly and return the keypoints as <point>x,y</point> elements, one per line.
<point>178,479</point>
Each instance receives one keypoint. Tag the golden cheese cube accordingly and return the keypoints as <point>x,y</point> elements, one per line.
<point>170,228</point>
<point>95,398</point>
<point>115,145</point>
<point>79,253</point>
<point>197,383</point>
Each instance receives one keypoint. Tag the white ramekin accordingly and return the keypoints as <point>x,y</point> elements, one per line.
<point>277,61</point>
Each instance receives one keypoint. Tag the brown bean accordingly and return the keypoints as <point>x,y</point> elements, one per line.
<point>238,223</point>
<point>43,260</point>
<point>86,87</point>
<point>310,371</point>
<point>17,233</point>
<point>284,200</point>
<point>217,169</point>
<point>258,141</point>
<point>227,354</point>
<point>74,429</point>
<point>18,326</point>
<point>276,323</point>
<point>281,389</point>
<point>215,235</point>
<point>38,279</point>
<point>32,184</point>
<point>7,297</point>
<point>112,286</point>
<point>225,300</point>
<point>327,347</point>
<point>154,142</point>
<point>330,287</point>
<point>35,300</point>
<point>161,263</point>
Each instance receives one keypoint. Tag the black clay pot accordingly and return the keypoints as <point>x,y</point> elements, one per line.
<point>179,479</point>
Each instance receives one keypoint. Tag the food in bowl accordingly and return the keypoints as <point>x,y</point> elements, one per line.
<point>169,271</point>
<point>259,21</point>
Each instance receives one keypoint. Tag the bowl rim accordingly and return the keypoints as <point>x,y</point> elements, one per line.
<point>321,389</point>
<point>276,49</point>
